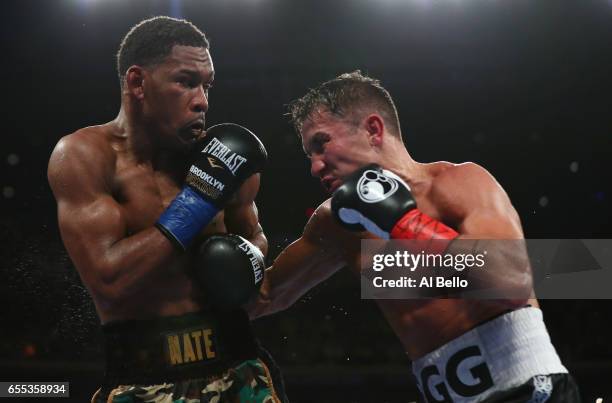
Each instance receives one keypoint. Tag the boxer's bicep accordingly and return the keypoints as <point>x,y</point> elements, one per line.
<point>498,224</point>
<point>488,223</point>
<point>476,204</point>
<point>89,230</point>
<point>89,219</point>
<point>112,262</point>
<point>489,214</point>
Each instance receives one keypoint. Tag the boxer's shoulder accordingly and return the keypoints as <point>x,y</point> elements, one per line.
<point>468,189</point>
<point>86,153</point>
<point>93,142</point>
<point>443,171</point>
<point>453,190</point>
<point>467,177</point>
<point>321,220</point>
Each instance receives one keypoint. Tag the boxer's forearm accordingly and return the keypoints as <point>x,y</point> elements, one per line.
<point>295,271</point>
<point>128,265</point>
<point>112,263</point>
<point>260,240</point>
<point>241,215</point>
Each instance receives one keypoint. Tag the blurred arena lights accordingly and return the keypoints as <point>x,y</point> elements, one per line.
<point>8,192</point>
<point>176,7</point>
<point>12,159</point>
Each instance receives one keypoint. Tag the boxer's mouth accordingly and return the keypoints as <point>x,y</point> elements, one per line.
<point>330,183</point>
<point>197,128</point>
<point>335,185</point>
<point>193,130</point>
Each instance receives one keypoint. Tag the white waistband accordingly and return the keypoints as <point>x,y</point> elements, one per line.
<point>498,355</point>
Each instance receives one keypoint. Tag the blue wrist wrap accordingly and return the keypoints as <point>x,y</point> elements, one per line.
<point>186,216</point>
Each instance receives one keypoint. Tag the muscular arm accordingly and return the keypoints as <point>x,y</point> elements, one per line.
<point>241,216</point>
<point>486,220</point>
<point>111,263</point>
<point>477,204</point>
<point>322,250</point>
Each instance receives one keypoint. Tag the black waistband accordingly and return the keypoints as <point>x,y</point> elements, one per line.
<point>166,349</point>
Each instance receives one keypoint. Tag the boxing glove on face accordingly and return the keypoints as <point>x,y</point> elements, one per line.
<point>229,269</point>
<point>379,201</point>
<point>372,199</point>
<point>228,156</point>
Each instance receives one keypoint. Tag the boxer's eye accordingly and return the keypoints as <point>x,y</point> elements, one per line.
<point>318,144</point>
<point>187,82</point>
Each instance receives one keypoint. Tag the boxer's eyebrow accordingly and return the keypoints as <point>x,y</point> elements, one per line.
<point>315,142</point>
<point>195,74</point>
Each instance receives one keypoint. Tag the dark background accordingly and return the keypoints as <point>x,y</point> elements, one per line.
<point>521,87</point>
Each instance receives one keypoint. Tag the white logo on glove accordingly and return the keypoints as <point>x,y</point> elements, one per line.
<point>255,256</point>
<point>375,186</point>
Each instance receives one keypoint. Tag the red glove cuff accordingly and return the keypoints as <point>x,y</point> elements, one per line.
<point>416,225</point>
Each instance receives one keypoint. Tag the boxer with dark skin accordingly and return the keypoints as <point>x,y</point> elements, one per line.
<point>112,182</point>
<point>349,123</point>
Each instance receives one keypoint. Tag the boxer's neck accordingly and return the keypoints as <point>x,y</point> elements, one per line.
<point>142,144</point>
<point>397,159</point>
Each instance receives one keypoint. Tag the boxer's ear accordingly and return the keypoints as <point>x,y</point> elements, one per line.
<point>134,81</point>
<point>375,128</point>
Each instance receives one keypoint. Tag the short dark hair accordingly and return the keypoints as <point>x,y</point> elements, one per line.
<point>342,96</point>
<point>150,41</point>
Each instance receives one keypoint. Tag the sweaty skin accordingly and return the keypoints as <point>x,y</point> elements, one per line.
<point>113,181</point>
<point>463,196</point>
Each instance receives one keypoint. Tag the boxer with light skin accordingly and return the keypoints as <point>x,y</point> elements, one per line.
<point>136,198</point>
<point>350,131</point>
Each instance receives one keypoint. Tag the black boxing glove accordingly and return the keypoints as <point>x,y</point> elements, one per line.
<point>229,155</point>
<point>379,201</point>
<point>229,269</point>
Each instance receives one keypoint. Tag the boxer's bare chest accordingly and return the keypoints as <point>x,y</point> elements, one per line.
<point>424,324</point>
<point>144,193</point>
<point>427,195</point>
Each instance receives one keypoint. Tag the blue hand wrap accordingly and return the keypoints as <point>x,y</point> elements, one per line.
<point>186,216</point>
